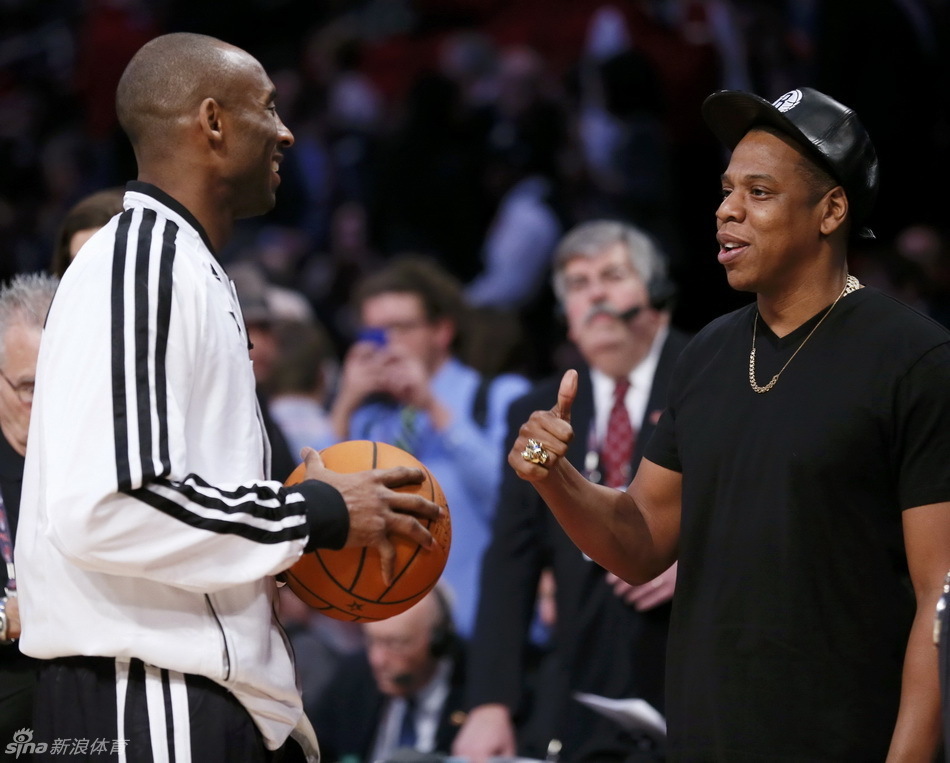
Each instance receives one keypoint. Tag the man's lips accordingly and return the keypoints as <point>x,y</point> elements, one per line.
<point>730,248</point>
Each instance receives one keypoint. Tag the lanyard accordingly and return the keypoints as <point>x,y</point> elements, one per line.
<point>6,547</point>
<point>592,458</point>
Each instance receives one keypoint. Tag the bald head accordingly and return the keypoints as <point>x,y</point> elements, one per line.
<point>400,649</point>
<point>167,80</point>
<point>202,118</point>
<point>421,618</point>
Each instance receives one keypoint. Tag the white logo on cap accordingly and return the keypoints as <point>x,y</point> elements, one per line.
<point>788,101</point>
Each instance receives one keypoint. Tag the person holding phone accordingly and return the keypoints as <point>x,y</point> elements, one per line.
<point>403,384</point>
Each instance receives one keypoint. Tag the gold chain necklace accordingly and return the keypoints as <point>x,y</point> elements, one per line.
<point>851,284</point>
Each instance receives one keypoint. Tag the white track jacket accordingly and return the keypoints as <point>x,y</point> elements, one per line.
<point>149,526</point>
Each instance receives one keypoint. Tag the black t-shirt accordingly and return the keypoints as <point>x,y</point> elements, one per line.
<point>793,599</point>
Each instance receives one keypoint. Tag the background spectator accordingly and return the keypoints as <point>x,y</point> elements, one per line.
<point>404,384</point>
<point>303,376</point>
<point>403,694</point>
<point>607,637</point>
<point>23,306</point>
<point>85,218</point>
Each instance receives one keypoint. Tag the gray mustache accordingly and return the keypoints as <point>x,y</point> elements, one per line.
<point>602,309</point>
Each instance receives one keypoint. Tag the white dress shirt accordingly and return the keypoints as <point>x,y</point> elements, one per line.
<point>637,397</point>
<point>429,702</point>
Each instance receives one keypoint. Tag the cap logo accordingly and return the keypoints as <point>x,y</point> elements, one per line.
<point>788,101</point>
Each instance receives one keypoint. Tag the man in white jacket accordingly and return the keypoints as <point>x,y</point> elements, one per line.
<point>151,531</point>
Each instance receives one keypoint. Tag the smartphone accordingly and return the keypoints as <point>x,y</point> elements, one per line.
<point>373,335</point>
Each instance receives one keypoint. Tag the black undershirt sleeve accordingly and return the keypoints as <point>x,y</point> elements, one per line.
<point>327,515</point>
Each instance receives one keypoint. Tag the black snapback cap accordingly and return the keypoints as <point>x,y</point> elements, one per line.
<point>830,132</point>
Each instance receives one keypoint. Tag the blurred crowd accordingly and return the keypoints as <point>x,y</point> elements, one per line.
<point>477,131</point>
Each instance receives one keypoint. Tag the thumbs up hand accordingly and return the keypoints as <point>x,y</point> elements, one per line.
<point>543,439</point>
<point>565,396</point>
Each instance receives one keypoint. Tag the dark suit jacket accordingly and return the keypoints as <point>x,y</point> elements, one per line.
<point>600,644</point>
<point>351,708</point>
<point>17,671</point>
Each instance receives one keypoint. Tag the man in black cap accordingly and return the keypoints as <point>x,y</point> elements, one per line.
<point>799,474</point>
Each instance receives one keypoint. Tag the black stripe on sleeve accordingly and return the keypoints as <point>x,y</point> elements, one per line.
<point>262,491</point>
<point>119,411</point>
<point>232,501</point>
<point>142,392</point>
<point>219,525</point>
<point>163,319</point>
<point>326,525</point>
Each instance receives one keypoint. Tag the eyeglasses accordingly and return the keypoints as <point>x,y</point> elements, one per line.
<point>395,644</point>
<point>576,284</point>
<point>23,390</point>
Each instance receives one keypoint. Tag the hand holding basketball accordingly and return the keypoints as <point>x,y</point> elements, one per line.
<point>375,507</point>
<point>391,558</point>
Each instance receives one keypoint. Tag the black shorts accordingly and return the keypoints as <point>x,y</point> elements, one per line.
<point>103,709</point>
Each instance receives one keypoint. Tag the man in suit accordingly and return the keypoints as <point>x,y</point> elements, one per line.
<point>24,302</point>
<point>402,697</point>
<point>609,638</point>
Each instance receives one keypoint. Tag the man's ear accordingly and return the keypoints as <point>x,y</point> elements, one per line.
<point>210,120</point>
<point>445,331</point>
<point>834,210</point>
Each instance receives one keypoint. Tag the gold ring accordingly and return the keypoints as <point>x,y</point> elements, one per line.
<point>534,453</point>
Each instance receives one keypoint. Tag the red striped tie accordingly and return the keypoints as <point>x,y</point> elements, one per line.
<point>618,444</point>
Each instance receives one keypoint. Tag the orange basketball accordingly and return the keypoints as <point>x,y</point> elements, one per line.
<point>347,584</point>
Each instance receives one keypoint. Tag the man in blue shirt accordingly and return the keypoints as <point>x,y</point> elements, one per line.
<point>403,384</point>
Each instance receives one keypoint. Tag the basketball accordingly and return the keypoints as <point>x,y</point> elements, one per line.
<point>347,584</point>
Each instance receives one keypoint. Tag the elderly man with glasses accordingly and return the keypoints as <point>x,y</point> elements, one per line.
<point>23,306</point>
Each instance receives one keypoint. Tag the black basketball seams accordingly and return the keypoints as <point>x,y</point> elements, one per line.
<point>330,585</point>
<point>326,605</point>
